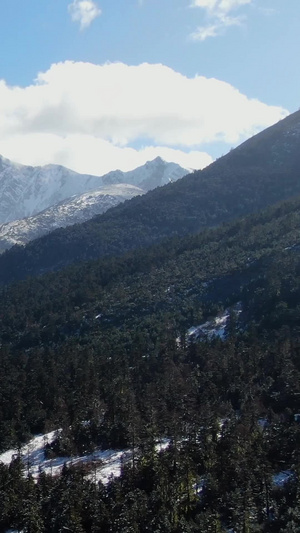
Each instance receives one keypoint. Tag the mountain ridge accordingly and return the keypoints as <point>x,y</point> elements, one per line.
<point>26,190</point>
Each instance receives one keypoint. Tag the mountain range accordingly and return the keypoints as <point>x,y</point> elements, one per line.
<point>36,200</point>
<point>260,172</point>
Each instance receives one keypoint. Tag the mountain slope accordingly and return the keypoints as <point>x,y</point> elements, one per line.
<point>120,312</point>
<point>26,191</point>
<point>262,171</point>
<point>70,211</point>
<point>102,350</point>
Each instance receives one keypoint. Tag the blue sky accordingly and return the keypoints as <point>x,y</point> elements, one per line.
<point>98,85</point>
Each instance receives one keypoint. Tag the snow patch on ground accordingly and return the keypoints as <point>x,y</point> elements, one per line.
<point>33,452</point>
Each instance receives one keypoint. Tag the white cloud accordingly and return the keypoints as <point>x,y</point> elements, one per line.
<point>218,15</point>
<point>91,155</point>
<point>84,12</point>
<point>203,32</point>
<point>220,5</point>
<point>92,117</point>
<point>212,30</point>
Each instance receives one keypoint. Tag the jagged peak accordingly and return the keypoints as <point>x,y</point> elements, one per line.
<point>158,159</point>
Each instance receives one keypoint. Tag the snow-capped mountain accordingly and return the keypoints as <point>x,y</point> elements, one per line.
<point>26,190</point>
<point>76,209</point>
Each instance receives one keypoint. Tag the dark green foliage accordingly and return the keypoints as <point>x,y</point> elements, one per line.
<point>106,357</point>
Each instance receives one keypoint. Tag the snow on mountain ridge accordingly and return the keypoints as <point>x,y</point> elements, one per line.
<point>73,210</point>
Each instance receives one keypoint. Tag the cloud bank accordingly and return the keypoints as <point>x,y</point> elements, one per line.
<point>84,12</point>
<point>218,13</point>
<point>94,118</point>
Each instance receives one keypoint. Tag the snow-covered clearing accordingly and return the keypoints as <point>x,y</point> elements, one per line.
<point>100,465</point>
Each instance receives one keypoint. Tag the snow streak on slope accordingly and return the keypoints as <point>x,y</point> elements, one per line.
<point>74,210</point>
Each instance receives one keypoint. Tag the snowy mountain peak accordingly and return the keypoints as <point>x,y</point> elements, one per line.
<point>158,160</point>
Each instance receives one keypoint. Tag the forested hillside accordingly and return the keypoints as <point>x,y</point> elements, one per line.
<point>259,173</point>
<point>103,351</point>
